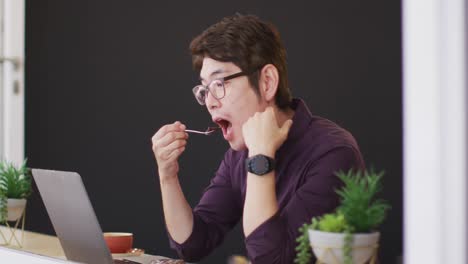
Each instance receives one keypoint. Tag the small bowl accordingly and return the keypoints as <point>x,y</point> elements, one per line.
<point>119,242</point>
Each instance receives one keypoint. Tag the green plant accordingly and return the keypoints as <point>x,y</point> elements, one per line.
<point>3,206</point>
<point>303,249</point>
<point>359,206</point>
<point>359,212</point>
<point>334,222</point>
<point>331,223</point>
<point>15,183</point>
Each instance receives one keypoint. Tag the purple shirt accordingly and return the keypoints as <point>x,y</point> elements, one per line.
<point>305,187</point>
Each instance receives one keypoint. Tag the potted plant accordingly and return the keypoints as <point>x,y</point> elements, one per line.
<point>349,234</point>
<point>15,188</point>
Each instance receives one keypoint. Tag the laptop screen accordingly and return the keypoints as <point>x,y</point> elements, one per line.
<point>72,216</point>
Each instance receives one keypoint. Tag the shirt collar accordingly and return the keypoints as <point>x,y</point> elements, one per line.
<point>301,119</point>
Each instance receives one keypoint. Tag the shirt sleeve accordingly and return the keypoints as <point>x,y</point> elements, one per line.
<point>274,241</point>
<point>217,212</point>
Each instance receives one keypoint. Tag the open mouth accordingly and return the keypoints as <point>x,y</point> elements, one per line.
<point>225,125</point>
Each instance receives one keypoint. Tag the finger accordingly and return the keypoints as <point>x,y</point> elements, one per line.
<point>175,154</point>
<point>274,112</point>
<point>160,144</point>
<point>163,154</point>
<point>161,132</point>
<point>175,145</point>
<point>286,126</point>
<point>176,126</point>
<point>169,138</point>
<point>270,110</point>
<point>246,124</point>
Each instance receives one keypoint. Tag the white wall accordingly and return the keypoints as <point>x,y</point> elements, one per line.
<point>434,50</point>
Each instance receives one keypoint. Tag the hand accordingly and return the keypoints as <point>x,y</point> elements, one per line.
<point>168,144</point>
<point>262,135</point>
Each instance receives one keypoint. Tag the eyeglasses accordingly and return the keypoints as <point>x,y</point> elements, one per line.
<point>215,87</point>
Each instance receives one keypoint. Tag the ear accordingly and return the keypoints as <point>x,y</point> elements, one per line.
<point>268,82</point>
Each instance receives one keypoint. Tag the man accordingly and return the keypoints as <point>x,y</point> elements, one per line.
<point>280,169</point>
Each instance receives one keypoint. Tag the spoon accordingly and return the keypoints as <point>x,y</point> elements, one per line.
<point>208,131</point>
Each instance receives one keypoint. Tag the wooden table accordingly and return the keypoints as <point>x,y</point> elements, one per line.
<point>35,243</point>
<point>47,245</point>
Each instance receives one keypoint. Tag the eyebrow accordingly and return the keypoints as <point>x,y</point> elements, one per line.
<point>213,73</point>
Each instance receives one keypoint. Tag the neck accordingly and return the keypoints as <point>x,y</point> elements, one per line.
<point>283,114</point>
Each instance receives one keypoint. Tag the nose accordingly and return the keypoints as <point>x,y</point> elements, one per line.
<point>211,102</point>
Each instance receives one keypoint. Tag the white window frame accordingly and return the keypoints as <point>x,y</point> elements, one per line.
<point>435,132</point>
<point>12,80</point>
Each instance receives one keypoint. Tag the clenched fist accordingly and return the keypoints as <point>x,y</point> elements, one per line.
<point>262,135</point>
<point>168,144</point>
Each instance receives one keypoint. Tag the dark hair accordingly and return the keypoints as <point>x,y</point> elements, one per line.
<point>250,44</point>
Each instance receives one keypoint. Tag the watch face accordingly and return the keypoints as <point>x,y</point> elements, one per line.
<point>260,165</point>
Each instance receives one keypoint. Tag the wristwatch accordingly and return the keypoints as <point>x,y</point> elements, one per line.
<point>259,164</point>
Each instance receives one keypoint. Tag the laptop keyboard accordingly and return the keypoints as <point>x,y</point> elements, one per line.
<point>159,261</point>
<point>125,261</point>
<point>167,261</point>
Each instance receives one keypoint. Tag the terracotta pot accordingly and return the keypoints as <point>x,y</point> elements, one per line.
<point>328,247</point>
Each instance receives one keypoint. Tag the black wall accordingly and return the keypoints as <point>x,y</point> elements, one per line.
<point>103,76</point>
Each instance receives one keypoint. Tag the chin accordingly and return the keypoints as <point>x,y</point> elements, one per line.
<point>237,146</point>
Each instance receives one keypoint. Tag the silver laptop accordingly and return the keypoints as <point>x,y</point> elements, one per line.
<point>73,217</point>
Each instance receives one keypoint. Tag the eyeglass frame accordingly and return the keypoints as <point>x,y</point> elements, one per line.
<point>222,79</point>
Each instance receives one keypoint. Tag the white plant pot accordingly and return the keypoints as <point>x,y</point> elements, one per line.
<point>328,247</point>
<point>15,208</point>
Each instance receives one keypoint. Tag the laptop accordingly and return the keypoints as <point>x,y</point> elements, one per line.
<point>73,217</point>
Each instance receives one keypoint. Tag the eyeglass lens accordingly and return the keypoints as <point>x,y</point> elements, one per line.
<point>216,88</point>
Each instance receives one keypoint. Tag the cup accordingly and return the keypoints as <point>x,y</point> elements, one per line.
<point>119,242</point>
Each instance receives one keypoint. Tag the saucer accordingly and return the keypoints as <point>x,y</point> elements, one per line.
<point>135,252</point>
